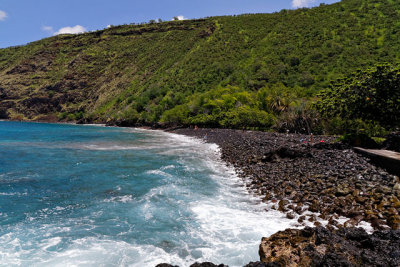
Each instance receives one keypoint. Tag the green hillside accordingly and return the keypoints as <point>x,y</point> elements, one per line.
<point>253,70</point>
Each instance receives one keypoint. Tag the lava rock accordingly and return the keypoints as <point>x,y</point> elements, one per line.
<point>322,247</point>
<point>324,177</point>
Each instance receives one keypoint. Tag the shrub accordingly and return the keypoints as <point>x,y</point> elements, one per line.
<point>369,98</point>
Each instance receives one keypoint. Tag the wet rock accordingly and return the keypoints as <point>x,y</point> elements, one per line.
<point>321,247</point>
<point>314,206</point>
<point>312,218</point>
<point>377,223</point>
<point>301,219</point>
<point>298,209</point>
<point>327,177</point>
<point>351,223</point>
<point>323,216</point>
<point>281,205</point>
<point>290,215</point>
<point>317,224</point>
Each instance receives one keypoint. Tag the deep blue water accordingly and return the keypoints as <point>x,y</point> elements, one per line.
<point>100,196</point>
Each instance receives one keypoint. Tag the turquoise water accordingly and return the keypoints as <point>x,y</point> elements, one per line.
<point>100,196</point>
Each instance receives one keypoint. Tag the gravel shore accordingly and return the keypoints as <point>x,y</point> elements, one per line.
<point>310,180</point>
<point>315,181</point>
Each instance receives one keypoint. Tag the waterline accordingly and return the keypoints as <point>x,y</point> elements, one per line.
<point>144,198</point>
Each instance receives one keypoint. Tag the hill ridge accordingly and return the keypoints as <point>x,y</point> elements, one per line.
<point>218,71</point>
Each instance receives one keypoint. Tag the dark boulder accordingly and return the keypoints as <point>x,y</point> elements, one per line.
<point>322,247</point>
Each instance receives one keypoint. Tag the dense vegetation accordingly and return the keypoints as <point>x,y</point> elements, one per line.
<point>367,100</point>
<point>258,70</point>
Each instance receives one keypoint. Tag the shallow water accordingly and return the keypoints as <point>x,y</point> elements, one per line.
<point>98,196</point>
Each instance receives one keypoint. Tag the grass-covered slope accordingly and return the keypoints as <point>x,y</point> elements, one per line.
<point>221,71</point>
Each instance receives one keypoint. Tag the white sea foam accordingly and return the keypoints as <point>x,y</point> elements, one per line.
<point>82,252</point>
<point>123,199</point>
<point>169,167</point>
<point>340,219</point>
<point>106,147</point>
<point>159,172</point>
<point>13,194</point>
<point>230,223</point>
<point>51,242</point>
<point>224,226</point>
<point>233,221</point>
<point>95,252</point>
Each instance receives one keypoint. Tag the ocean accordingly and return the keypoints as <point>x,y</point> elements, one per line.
<point>85,195</point>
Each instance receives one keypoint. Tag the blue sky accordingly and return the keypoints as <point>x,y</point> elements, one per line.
<point>23,21</point>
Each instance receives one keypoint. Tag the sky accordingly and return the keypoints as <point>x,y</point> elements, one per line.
<point>24,21</point>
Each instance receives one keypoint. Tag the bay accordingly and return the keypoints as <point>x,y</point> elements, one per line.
<point>85,195</point>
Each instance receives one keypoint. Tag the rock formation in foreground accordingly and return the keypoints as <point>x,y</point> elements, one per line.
<point>321,247</point>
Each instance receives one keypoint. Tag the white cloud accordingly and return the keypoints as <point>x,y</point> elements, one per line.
<point>180,17</point>
<point>48,29</point>
<point>3,15</point>
<point>71,30</point>
<point>302,3</point>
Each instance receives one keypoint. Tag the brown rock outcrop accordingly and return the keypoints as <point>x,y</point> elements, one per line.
<point>321,247</point>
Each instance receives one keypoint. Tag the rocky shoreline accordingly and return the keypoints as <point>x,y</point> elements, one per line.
<point>314,180</point>
<point>300,177</point>
<point>320,247</point>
